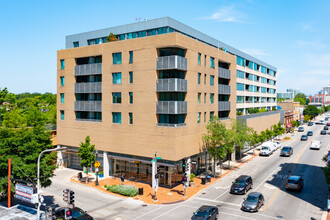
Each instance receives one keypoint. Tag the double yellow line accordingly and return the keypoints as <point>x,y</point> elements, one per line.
<point>283,183</point>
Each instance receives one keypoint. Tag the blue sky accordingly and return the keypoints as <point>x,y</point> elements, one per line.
<point>292,35</point>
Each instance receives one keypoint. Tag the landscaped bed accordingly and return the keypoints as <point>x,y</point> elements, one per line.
<point>124,190</point>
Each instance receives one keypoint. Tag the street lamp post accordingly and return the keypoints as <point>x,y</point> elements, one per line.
<point>97,169</point>
<point>38,176</point>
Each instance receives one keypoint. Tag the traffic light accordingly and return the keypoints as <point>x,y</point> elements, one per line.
<point>68,214</point>
<point>71,197</point>
<point>66,195</point>
<point>184,165</point>
<point>157,171</point>
<point>184,178</point>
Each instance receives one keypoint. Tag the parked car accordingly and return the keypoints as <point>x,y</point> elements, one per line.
<point>301,129</point>
<point>325,127</point>
<point>267,148</point>
<point>326,119</point>
<point>253,202</point>
<point>309,133</point>
<point>286,151</point>
<point>323,132</point>
<point>206,213</point>
<point>241,185</point>
<point>328,124</point>
<point>278,145</point>
<point>310,123</point>
<point>303,137</point>
<point>315,144</point>
<point>295,183</point>
<point>77,214</point>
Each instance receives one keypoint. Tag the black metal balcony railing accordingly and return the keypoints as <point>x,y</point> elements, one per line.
<point>90,87</point>
<point>171,107</point>
<point>171,85</point>
<point>171,62</point>
<point>88,69</point>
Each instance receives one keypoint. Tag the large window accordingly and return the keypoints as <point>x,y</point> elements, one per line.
<point>199,98</point>
<point>62,64</point>
<point>131,77</point>
<point>76,44</point>
<point>130,97</point>
<point>116,58</point>
<point>131,57</point>
<point>240,99</point>
<point>116,97</point>
<point>251,65</point>
<point>62,97</point>
<point>271,72</point>
<point>62,114</point>
<point>116,117</point>
<point>252,88</point>
<point>263,80</point>
<point>211,98</point>
<point>211,80</point>
<point>212,65</point>
<point>116,78</point>
<point>263,69</point>
<point>199,58</point>
<point>240,74</point>
<point>240,87</point>
<point>240,61</point>
<point>198,78</point>
<point>62,80</point>
<point>255,66</point>
<point>162,30</point>
<point>263,90</point>
<point>130,115</point>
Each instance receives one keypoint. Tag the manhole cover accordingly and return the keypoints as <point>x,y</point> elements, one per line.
<point>144,205</point>
<point>279,216</point>
<point>203,193</point>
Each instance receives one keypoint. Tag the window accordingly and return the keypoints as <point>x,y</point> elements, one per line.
<point>240,61</point>
<point>116,97</point>
<point>204,117</point>
<point>130,57</point>
<point>162,30</point>
<point>211,80</point>
<point>251,65</point>
<point>240,74</point>
<point>198,78</point>
<point>263,90</point>
<point>116,117</point>
<point>255,66</point>
<point>205,60</point>
<point>240,99</point>
<point>204,79</point>
<point>130,97</point>
<point>211,115</point>
<point>199,98</point>
<point>62,114</point>
<point>199,58</point>
<point>62,97</point>
<point>76,44</point>
<point>104,39</point>
<point>151,32</point>
<point>198,117</point>
<point>205,98</point>
<point>131,77</point>
<point>130,115</point>
<point>116,58</point>
<point>240,87</point>
<point>142,33</point>
<point>212,62</point>
<point>170,30</point>
<point>271,72</point>
<point>263,80</point>
<point>62,80</point>
<point>211,98</point>
<point>62,64</point>
<point>263,69</point>
<point>116,78</point>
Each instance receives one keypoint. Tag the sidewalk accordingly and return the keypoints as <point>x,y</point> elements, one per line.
<point>164,195</point>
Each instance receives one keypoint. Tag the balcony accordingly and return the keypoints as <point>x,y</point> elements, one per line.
<point>224,106</point>
<point>91,87</point>
<point>171,125</point>
<point>171,85</point>
<point>224,89</point>
<point>88,106</point>
<point>224,73</point>
<point>171,107</point>
<point>171,62</point>
<point>88,69</point>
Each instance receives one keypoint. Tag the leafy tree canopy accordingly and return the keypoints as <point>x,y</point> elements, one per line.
<point>312,111</point>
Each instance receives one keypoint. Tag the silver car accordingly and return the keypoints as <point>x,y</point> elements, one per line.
<point>253,202</point>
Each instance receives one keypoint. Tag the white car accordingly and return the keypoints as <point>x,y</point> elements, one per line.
<point>315,144</point>
<point>267,148</point>
<point>278,145</point>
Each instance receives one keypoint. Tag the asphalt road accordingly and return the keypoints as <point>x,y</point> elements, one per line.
<point>269,176</point>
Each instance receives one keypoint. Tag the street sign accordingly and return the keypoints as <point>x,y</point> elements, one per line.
<point>158,158</point>
<point>24,192</point>
<point>97,164</point>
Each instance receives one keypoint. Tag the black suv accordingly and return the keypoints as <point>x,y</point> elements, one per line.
<point>206,213</point>
<point>241,185</point>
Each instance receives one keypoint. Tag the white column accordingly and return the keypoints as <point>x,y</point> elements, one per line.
<point>188,169</point>
<point>60,161</point>
<point>105,164</point>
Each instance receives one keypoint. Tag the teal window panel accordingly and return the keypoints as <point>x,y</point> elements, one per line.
<point>116,97</point>
<point>240,87</point>
<point>131,77</point>
<point>62,64</point>
<point>211,98</point>
<point>62,80</point>
<point>199,78</point>
<point>240,61</point>
<point>199,58</point>
<point>211,80</point>
<point>76,44</point>
<point>130,56</point>
<point>240,74</point>
<point>130,115</point>
<point>116,78</point>
<point>130,97</point>
<point>212,65</point>
<point>116,117</point>
<point>116,58</point>
<point>62,97</point>
<point>62,114</point>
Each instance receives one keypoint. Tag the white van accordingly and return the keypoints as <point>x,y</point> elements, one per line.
<point>267,148</point>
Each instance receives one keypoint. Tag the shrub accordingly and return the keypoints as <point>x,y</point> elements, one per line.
<point>130,191</point>
<point>192,176</point>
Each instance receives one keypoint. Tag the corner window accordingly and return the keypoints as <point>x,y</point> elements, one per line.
<point>199,58</point>
<point>131,57</point>
<point>130,115</point>
<point>116,78</point>
<point>211,80</point>
<point>76,44</point>
<point>130,97</point>
<point>199,78</point>
<point>62,80</point>
<point>62,114</point>
<point>116,58</point>
<point>62,64</point>
<point>116,97</point>
<point>130,77</point>
<point>62,97</point>
<point>211,98</point>
<point>116,117</point>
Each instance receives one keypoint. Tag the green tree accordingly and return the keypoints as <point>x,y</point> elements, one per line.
<point>301,97</point>
<point>262,136</point>
<point>111,37</point>
<point>13,119</point>
<point>86,153</point>
<point>312,111</point>
<point>269,134</point>
<point>300,100</point>
<point>307,118</point>
<point>278,129</point>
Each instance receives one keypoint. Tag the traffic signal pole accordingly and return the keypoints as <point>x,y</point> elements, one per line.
<point>156,177</point>
<point>9,185</point>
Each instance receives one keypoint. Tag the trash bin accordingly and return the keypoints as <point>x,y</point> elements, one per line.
<point>204,180</point>
<point>208,178</point>
<point>79,175</point>
<point>140,191</point>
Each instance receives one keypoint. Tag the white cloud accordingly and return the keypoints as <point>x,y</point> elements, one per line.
<point>255,52</point>
<point>226,14</point>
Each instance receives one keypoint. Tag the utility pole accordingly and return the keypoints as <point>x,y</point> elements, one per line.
<point>9,185</point>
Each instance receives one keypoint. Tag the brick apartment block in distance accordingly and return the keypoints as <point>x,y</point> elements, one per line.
<point>152,90</point>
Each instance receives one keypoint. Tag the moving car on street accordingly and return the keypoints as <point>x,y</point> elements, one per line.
<point>241,185</point>
<point>301,129</point>
<point>309,133</point>
<point>295,183</point>
<point>310,123</point>
<point>303,137</point>
<point>315,144</point>
<point>326,127</point>
<point>267,148</point>
<point>278,145</point>
<point>323,132</point>
<point>253,202</point>
<point>206,213</point>
<point>76,213</point>
<point>286,151</point>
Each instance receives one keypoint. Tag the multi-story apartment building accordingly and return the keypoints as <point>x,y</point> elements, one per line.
<point>289,94</point>
<point>152,90</point>
<point>291,106</point>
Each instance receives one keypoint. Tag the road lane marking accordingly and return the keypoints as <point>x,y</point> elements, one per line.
<point>217,201</point>
<point>265,179</point>
<point>222,194</point>
<point>268,216</point>
<point>221,187</point>
<point>240,217</point>
<point>253,172</point>
<point>148,212</point>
